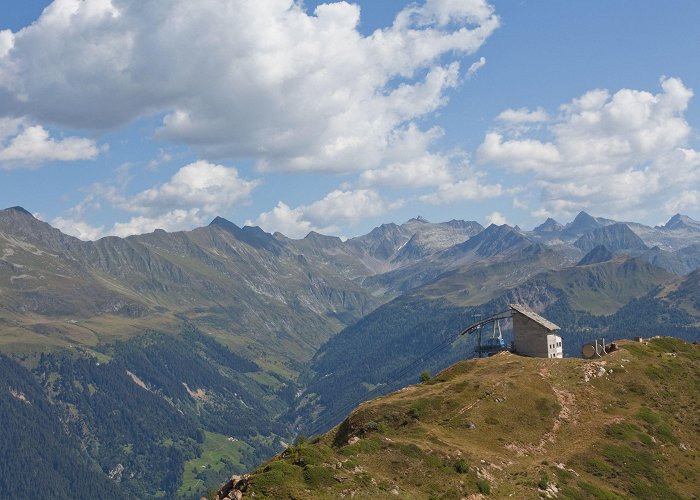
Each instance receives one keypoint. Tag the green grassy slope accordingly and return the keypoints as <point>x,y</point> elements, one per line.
<point>625,426</point>
<point>604,288</point>
<point>239,284</point>
<point>220,455</point>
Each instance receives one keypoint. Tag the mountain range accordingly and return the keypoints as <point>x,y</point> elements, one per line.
<point>241,340</point>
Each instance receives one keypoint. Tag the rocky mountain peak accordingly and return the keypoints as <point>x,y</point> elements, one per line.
<point>615,237</point>
<point>494,229</point>
<point>549,226</point>
<point>679,221</point>
<point>383,241</point>
<point>17,214</point>
<point>224,223</point>
<point>19,209</point>
<point>494,240</point>
<point>583,223</point>
<point>251,235</point>
<point>322,239</point>
<point>21,223</point>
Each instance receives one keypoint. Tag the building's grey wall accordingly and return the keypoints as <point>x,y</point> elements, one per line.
<point>529,337</point>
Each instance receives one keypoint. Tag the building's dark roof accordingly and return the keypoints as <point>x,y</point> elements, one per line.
<point>534,317</point>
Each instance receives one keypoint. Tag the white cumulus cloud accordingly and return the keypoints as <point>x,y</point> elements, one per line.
<point>289,221</point>
<point>496,218</point>
<point>685,200</point>
<point>475,67</point>
<point>469,189</point>
<point>523,115</point>
<point>194,194</point>
<point>172,220</point>
<point>7,41</point>
<point>326,215</point>
<point>624,154</point>
<point>211,188</point>
<point>78,228</point>
<point>426,170</point>
<point>408,162</point>
<point>346,206</point>
<point>243,78</point>
<point>27,146</point>
<point>191,197</point>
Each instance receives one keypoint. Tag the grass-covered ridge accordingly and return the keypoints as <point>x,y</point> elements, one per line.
<point>624,426</point>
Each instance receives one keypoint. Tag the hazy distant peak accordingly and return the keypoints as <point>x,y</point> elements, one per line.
<point>313,235</point>
<point>549,226</point>
<point>679,221</point>
<point>502,228</point>
<point>501,236</point>
<point>615,237</point>
<point>583,221</point>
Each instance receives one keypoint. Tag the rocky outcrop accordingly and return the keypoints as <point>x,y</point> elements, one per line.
<point>232,489</point>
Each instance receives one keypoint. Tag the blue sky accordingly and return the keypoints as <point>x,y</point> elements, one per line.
<point>119,116</point>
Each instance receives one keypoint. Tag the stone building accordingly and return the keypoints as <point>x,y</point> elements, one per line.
<point>534,335</point>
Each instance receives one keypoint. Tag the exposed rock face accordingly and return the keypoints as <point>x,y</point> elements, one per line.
<point>116,473</point>
<point>253,236</point>
<point>582,224</point>
<point>493,244</point>
<point>492,241</point>
<point>232,489</point>
<point>682,222</point>
<point>616,237</point>
<point>549,226</point>
<point>413,240</point>
<point>432,238</point>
